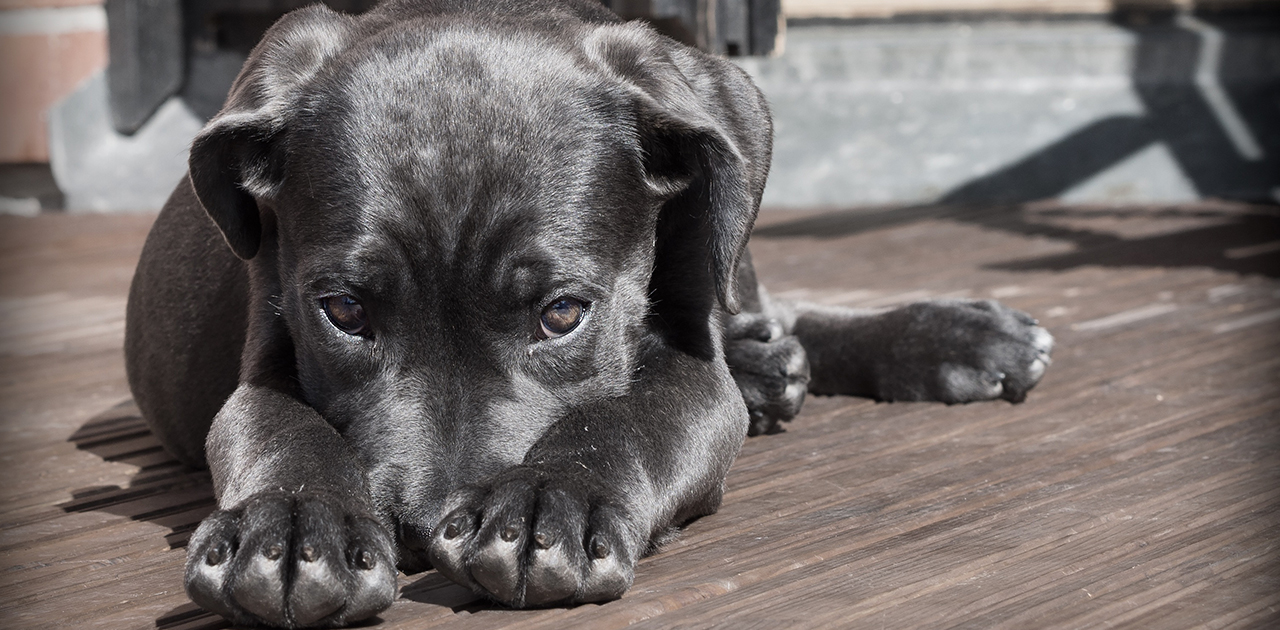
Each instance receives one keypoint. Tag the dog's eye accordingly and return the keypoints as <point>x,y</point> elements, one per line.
<point>560,317</point>
<point>345,313</point>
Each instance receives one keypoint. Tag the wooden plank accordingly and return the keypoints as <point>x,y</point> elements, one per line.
<point>1136,487</point>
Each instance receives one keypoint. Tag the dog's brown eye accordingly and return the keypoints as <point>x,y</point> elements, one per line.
<point>345,313</point>
<point>560,317</point>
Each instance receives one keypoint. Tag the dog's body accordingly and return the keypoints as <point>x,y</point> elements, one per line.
<point>482,309</point>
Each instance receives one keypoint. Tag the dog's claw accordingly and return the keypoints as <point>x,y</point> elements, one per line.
<point>459,525</point>
<point>364,560</point>
<point>600,549</point>
<point>216,554</point>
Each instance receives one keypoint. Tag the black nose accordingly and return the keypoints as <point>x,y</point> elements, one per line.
<point>413,539</point>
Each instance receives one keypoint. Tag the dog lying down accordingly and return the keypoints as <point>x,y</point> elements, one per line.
<point>475,297</point>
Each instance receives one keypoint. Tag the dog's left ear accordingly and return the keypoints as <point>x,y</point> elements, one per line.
<point>706,138</point>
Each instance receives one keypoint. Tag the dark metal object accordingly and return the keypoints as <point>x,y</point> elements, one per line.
<point>725,27</point>
<point>766,26</point>
<point>160,48</point>
<point>147,58</point>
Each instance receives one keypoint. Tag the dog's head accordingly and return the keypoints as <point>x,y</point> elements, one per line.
<point>460,230</point>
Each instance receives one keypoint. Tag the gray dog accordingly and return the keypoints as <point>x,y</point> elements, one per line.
<point>475,297</point>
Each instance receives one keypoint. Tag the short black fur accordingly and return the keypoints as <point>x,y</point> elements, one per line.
<point>454,167</point>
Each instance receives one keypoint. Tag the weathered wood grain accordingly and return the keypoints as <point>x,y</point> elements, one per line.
<point>1137,486</point>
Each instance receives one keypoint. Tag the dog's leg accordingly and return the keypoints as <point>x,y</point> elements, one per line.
<point>952,351</point>
<point>294,542</point>
<point>597,490</point>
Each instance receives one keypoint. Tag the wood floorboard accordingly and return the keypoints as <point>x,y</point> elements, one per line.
<point>1138,486</point>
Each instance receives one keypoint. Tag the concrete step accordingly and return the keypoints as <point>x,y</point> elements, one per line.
<point>875,112</point>
<point>997,109</point>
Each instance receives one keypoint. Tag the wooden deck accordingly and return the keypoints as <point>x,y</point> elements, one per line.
<point>1138,486</point>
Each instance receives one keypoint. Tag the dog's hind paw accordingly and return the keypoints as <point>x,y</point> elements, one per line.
<point>291,561</point>
<point>770,368</point>
<point>533,540</point>
<point>957,351</point>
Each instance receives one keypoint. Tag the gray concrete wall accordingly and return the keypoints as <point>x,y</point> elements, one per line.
<point>1003,110</point>
<point>982,110</point>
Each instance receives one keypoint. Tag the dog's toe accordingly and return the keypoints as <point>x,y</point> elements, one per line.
<point>529,541</point>
<point>1036,370</point>
<point>503,539</point>
<point>556,556</point>
<point>450,544</point>
<point>963,383</point>
<point>259,583</point>
<point>211,554</point>
<point>958,351</point>
<point>1028,360</point>
<point>292,562</point>
<point>553,571</point>
<point>773,375</point>
<point>1041,340</point>
<point>612,559</point>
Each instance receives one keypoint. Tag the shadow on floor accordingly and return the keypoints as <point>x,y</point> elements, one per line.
<point>432,588</point>
<point>1238,238</point>
<point>163,491</point>
<point>1208,95</point>
<point>438,590</point>
<point>191,617</point>
<point>167,493</point>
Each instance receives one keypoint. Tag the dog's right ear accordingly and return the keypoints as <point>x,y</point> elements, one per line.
<point>236,159</point>
<point>705,140</point>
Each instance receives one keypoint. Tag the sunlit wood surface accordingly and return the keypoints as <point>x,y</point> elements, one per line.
<point>1136,487</point>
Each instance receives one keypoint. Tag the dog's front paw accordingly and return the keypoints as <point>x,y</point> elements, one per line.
<point>957,351</point>
<point>531,540</point>
<point>291,561</point>
<point>770,368</point>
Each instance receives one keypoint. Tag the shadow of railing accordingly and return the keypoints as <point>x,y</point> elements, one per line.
<point>1208,89</point>
<point>1242,239</point>
<point>167,493</point>
<point>162,491</point>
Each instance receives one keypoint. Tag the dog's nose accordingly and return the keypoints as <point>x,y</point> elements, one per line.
<point>413,540</point>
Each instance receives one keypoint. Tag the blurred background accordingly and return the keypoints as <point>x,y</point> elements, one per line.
<point>879,103</point>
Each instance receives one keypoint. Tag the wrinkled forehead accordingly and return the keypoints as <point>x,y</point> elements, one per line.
<point>457,122</point>
<point>451,141</point>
